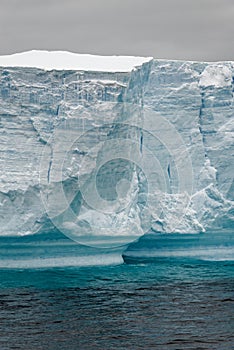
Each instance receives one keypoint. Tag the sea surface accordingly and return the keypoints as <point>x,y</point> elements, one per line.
<point>106,304</point>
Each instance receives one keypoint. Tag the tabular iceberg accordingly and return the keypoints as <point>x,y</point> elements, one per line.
<point>101,147</point>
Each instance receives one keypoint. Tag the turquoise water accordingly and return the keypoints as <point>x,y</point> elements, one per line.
<point>106,304</point>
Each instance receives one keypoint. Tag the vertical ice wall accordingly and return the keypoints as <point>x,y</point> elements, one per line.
<point>81,118</point>
<point>197,99</point>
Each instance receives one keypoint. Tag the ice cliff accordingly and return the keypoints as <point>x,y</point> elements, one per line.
<point>119,146</point>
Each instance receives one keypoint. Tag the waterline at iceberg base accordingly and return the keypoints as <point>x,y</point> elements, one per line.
<point>154,247</point>
<point>55,250</point>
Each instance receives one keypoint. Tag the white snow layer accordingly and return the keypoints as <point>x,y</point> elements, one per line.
<point>62,60</point>
<point>217,75</point>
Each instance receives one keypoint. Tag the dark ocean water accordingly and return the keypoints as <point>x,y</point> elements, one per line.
<point>165,306</point>
<point>171,304</point>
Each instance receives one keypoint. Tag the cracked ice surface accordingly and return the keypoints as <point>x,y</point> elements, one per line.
<point>63,126</point>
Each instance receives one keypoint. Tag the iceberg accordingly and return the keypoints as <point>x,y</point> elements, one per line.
<point>106,149</point>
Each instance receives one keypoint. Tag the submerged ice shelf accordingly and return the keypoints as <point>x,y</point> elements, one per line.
<point>156,247</point>
<point>115,146</point>
<point>52,250</point>
<point>55,250</point>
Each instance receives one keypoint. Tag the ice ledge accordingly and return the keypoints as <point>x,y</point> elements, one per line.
<point>63,60</point>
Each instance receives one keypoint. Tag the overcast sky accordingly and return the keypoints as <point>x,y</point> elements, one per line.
<point>180,29</point>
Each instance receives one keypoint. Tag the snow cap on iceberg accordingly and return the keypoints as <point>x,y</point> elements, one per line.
<point>63,60</point>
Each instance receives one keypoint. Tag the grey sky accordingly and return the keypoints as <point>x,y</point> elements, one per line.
<point>180,29</point>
